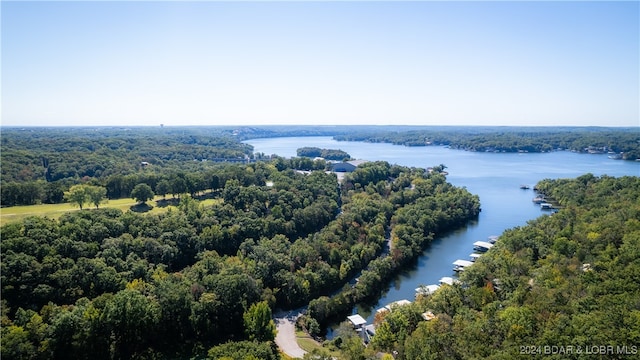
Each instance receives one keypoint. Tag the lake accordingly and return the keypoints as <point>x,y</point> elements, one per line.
<point>494,177</point>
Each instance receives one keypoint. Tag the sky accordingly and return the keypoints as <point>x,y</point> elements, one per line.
<point>123,63</point>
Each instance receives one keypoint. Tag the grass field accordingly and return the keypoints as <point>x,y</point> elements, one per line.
<point>308,344</point>
<point>54,211</point>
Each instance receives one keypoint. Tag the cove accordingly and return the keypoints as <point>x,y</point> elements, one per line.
<point>494,177</point>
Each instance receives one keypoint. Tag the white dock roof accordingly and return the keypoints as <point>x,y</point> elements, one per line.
<point>393,305</point>
<point>357,320</point>
<point>462,263</point>
<point>428,289</point>
<point>447,280</point>
<point>483,244</point>
<point>402,302</point>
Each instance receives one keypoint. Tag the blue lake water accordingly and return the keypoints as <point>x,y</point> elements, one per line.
<point>494,177</point>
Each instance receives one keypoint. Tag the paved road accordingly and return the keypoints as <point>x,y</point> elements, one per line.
<point>286,337</point>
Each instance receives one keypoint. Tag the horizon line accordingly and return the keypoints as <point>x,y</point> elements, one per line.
<point>320,125</point>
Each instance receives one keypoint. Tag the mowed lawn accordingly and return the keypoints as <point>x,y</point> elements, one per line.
<point>54,211</point>
<point>308,344</point>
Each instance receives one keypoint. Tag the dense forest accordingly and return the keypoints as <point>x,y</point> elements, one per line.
<point>622,143</point>
<point>40,164</point>
<point>565,286</point>
<point>101,283</point>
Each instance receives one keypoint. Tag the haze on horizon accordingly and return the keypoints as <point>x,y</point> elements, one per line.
<point>320,63</point>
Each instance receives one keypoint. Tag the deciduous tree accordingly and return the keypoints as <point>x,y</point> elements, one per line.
<point>96,194</point>
<point>142,193</point>
<point>258,323</point>
<point>77,195</point>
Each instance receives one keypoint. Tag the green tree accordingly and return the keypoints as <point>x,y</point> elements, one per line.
<point>353,349</point>
<point>96,194</point>
<point>131,319</point>
<point>163,188</point>
<point>142,193</point>
<point>258,323</point>
<point>430,341</point>
<point>317,354</point>
<point>518,321</point>
<point>16,343</point>
<point>243,350</point>
<point>77,195</point>
<point>178,185</point>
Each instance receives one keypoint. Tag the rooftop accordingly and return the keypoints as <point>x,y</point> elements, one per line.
<point>483,244</point>
<point>462,263</point>
<point>357,320</point>
<point>448,280</point>
<point>427,290</point>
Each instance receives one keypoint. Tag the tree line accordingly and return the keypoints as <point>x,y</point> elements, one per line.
<point>40,164</point>
<point>624,141</point>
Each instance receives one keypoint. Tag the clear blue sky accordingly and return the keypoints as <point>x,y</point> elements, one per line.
<point>219,63</point>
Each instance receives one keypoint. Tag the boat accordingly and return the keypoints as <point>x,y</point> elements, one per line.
<point>493,239</point>
<point>482,246</point>
<point>524,187</point>
<point>460,265</point>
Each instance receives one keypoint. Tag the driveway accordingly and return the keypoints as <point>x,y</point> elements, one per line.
<point>286,337</point>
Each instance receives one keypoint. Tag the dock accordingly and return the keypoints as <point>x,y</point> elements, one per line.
<point>460,265</point>
<point>426,289</point>
<point>546,206</point>
<point>482,246</point>
<point>393,305</point>
<point>538,199</point>
<point>447,280</point>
